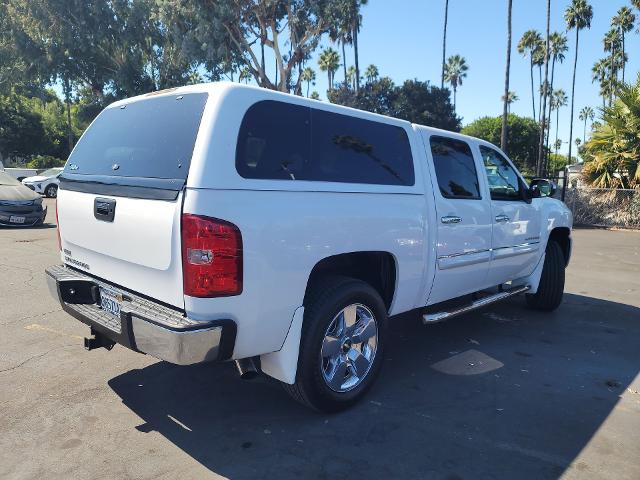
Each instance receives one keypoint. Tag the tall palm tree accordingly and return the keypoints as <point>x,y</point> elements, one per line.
<point>455,70</point>
<point>351,76</point>
<point>356,22</point>
<point>612,43</point>
<point>341,33</point>
<point>624,21</point>
<point>444,42</point>
<point>329,62</point>
<point>527,45</point>
<point>557,144</point>
<point>599,73</point>
<point>308,75</point>
<point>371,73</point>
<point>558,100</point>
<point>538,61</point>
<point>586,113</point>
<point>545,95</point>
<point>510,98</point>
<point>558,47</point>
<point>577,16</point>
<point>506,103</point>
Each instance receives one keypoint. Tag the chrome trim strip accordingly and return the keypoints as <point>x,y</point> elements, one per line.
<point>453,255</point>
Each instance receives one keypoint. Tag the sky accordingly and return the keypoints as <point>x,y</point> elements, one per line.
<point>403,38</point>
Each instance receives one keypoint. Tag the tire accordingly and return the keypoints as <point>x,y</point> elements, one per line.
<point>51,191</point>
<point>326,305</point>
<point>551,287</point>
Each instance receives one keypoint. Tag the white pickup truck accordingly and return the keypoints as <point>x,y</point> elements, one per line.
<point>225,222</point>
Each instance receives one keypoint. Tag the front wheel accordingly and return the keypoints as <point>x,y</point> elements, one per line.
<point>341,346</point>
<point>551,287</point>
<point>51,191</point>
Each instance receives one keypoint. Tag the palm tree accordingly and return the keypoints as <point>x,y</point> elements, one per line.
<point>509,99</point>
<point>557,144</point>
<point>612,43</point>
<point>538,61</point>
<point>315,95</point>
<point>357,21</point>
<point>371,73</point>
<point>545,95</point>
<point>455,70</point>
<point>558,100</point>
<point>308,75</point>
<point>329,62</point>
<point>444,42</point>
<point>506,101</point>
<point>351,76</point>
<point>577,16</point>
<point>527,45</point>
<point>341,33</point>
<point>599,73</point>
<point>586,113</point>
<point>558,48</point>
<point>624,21</point>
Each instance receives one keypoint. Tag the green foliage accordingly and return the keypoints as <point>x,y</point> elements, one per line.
<point>556,163</point>
<point>415,101</point>
<point>522,142</point>
<point>41,162</point>
<point>612,155</point>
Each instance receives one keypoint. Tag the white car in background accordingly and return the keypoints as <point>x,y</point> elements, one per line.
<point>45,183</point>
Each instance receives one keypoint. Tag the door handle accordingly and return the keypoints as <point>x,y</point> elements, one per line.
<point>502,218</point>
<point>450,219</point>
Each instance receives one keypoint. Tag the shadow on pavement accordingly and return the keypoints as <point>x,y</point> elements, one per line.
<point>512,394</point>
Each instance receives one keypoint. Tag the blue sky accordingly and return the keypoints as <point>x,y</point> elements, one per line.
<point>404,39</point>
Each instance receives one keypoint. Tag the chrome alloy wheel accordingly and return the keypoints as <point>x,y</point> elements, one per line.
<point>349,348</point>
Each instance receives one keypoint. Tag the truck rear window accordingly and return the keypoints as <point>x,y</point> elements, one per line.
<point>151,138</point>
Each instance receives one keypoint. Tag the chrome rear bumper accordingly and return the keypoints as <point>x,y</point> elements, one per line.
<point>143,325</point>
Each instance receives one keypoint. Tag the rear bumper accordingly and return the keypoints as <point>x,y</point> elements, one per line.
<point>144,325</point>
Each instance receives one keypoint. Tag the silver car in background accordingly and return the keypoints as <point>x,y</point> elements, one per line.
<point>19,205</point>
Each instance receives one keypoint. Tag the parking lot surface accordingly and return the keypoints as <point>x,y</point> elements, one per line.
<point>504,392</point>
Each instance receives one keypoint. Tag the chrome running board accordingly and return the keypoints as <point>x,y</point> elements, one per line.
<point>483,302</point>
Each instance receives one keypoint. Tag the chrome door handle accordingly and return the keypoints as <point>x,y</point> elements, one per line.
<point>450,219</point>
<point>502,218</point>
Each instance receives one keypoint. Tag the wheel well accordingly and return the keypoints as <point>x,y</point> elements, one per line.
<point>378,269</point>
<point>561,235</point>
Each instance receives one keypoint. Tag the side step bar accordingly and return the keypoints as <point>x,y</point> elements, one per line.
<point>483,302</point>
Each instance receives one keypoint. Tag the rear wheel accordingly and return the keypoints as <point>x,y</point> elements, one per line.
<point>551,287</point>
<point>341,346</point>
<point>51,191</point>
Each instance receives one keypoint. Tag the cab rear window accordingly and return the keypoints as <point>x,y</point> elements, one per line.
<point>151,138</point>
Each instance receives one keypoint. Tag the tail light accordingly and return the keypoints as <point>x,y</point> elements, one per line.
<point>211,257</point>
<point>58,228</point>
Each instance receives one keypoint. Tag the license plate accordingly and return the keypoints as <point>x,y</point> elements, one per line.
<point>109,302</point>
<point>16,219</point>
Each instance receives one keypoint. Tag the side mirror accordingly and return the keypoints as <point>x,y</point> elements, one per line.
<point>541,187</point>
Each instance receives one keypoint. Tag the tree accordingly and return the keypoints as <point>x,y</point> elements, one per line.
<point>522,142</point>
<point>357,22</point>
<point>557,144</point>
<point>527,46</point>
<point>351,77</point>
<point>623,21</point>
<point>371,73</point>
<point>506,102</point>
<point>444,43</point>
<point>315,95</point>
<point>558,47</point>
<point>612,154</point>
<point>600,74</point>
<point>586,113</point>
<point>577,16</point>
<point>612,43</point>
<point>244,75</point>
<point>558,100</point>
<point>329,62</point>
<point>456,69</point>
<point>545,94</point>
<point>308,75</point>
<point>510,98</point>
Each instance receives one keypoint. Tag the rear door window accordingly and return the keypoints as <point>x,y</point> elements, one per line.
<point>281,141</point>
<point>455,168</point>
<point>151,138</point>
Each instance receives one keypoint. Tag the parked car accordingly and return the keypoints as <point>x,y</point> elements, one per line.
<point>225,222</point>
<point>45,183</point>
<point>19,206</point>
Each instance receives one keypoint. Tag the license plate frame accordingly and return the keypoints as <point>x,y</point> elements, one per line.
<point>110,302</point>
<point>18,219</point>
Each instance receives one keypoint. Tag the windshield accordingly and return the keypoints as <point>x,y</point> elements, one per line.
<point>51,172</point>
<point>150,138</point>
<point>6,179</point>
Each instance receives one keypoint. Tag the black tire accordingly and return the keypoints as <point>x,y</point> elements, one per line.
<point>551,288</point>
<point>328,297</point>
<point>51,191</point>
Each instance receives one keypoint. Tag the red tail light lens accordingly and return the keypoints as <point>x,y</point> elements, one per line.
<point>211,257</point>
<point>58,228</point>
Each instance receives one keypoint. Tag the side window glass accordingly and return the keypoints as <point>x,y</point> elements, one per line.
<point>455,168</point>
<point>504,183</point>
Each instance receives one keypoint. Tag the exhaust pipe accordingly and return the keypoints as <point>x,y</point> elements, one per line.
<point>246,368</point>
